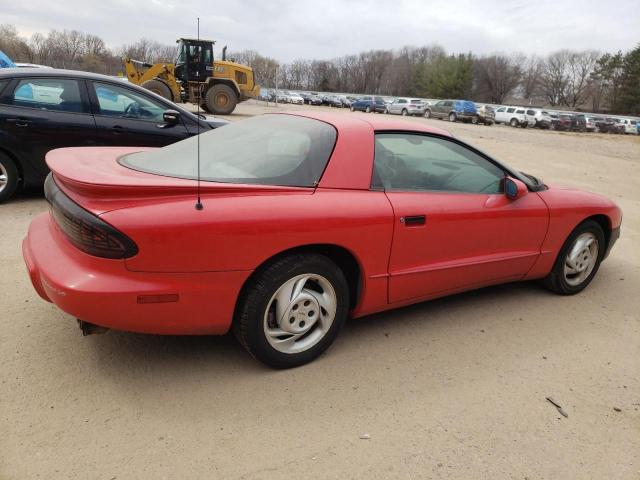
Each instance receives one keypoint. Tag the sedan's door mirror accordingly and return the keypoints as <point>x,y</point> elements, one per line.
<point>171,118</point>
<point>514,188</point>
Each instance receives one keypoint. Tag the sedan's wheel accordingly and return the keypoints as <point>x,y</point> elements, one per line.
<point>404,112</point>
<point>427,113</point>
<point>578,260</point>
<point>368,110</point>
<point>452,117</point>
<point>293,310</point>
<point>8,177</point>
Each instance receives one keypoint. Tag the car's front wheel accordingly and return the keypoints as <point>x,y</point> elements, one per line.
<point>452,117</point>
<point>427,114</point>
<point>578,260</point>
<point>368,110</point>
<point>292,310</point>
<point>8,177</point>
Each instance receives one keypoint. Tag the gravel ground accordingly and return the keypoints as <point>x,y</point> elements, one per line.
<point>453,389</point>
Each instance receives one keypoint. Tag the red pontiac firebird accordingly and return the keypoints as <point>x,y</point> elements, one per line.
<point>304,220</point>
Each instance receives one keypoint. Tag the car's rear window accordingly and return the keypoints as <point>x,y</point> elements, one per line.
<point>267,150</point>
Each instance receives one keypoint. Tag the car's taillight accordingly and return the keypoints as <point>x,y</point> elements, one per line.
<point>83,229</point>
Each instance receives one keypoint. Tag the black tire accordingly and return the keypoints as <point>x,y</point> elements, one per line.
<point>204,108</point>
<point>427,113</point>
<point>159,88</point>
<point>9,177</point>
<point>353,109</point>
<point>452,117</point>
<point>556,281</point>
<point>404,112</point>
<point>256,297</point>
<point>368,110</point>
<point>221,99</point>
<point>513,122</point>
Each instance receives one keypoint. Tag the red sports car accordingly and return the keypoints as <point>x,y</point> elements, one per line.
<point>304,220</point>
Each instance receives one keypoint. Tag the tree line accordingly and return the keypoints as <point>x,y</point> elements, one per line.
<point>587,80</point>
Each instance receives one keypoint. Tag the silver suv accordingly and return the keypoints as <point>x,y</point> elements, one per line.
<point>407,106</point>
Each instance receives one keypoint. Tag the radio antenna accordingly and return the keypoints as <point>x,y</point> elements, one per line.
<point>199,205</point>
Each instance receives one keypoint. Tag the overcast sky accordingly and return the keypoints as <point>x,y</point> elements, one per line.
<point>290,29</point>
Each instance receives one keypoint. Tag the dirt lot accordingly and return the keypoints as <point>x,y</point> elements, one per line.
<point>451,389</point>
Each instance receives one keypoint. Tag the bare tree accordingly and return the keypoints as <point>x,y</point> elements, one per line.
<point>497,76</point>
<point>580,65</point>
<point>554,79</point>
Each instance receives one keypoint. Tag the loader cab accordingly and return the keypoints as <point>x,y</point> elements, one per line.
<point>194,61</point>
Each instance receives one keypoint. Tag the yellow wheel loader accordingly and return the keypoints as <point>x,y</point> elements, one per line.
<point>217,86</point>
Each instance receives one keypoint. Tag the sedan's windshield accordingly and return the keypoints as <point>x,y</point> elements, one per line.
<point>266,150</point>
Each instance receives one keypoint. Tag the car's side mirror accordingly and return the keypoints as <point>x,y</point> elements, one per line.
<point>514,188</point>
<point>170,118</point>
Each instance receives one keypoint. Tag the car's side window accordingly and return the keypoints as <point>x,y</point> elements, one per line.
<point>501,109</point>
<point>57,94</point>
<point>440,103</point>
<point>3,83</point>
<point>413,162</point>
<point>511,110</point>
<point>116,101</point>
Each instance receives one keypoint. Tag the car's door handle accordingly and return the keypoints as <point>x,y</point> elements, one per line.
<point>117,129</point>
<point>19,122</point>
<point>410,220</point>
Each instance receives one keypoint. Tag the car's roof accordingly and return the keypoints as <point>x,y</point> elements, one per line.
<point>377,122</point>
<point>52,72</point>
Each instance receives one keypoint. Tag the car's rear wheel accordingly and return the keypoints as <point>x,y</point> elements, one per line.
<point>368,110</point>
<point>353,109</point>
<point>292,310</point>
<point>8,177</point>
<point>578,260</point>
<point>513,122</point>
<point>452,117</point>
<point>404,112</point>
<point>427,114</point>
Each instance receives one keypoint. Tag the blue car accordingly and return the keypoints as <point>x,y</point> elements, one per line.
<point>369,104</point>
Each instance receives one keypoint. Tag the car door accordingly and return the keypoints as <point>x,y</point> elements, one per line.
<point>39,114</point>
<point>437,109</point>
<point>397,106</point>
<point>454,229</point>
<point>127,117</point>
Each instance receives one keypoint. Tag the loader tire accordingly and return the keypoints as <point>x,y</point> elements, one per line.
<point>221,99</point>
<point>159,88</point>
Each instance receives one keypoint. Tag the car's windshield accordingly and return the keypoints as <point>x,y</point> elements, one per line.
<point>266,150</point>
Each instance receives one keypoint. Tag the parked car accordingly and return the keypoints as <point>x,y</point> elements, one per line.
<point>295,98</point>
<point>515,116</point>
<point>591,123</point>
<point>333,101</point>
<point>541,118</point>
<point>369,104</point>
<point>272,254</point>
<point>453,110</point>
<point>486,114</point>
<point>42,109</point>
<point>281,96</point>
<point>562,123</point>
<point>407,106</point>
<point>579,122</point>
<point>610,125</point>
<point>629,126</point>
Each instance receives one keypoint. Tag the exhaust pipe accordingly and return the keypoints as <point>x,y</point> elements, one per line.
<point>224,53</point>
<point>90,328</point>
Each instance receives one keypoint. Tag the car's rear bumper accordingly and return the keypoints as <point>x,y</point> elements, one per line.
<point>105,293</point>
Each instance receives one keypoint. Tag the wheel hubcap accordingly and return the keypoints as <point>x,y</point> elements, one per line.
<point>581,259</point>
<point>221,100</point>
<point>300,313</point>
<point>3,177</point>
